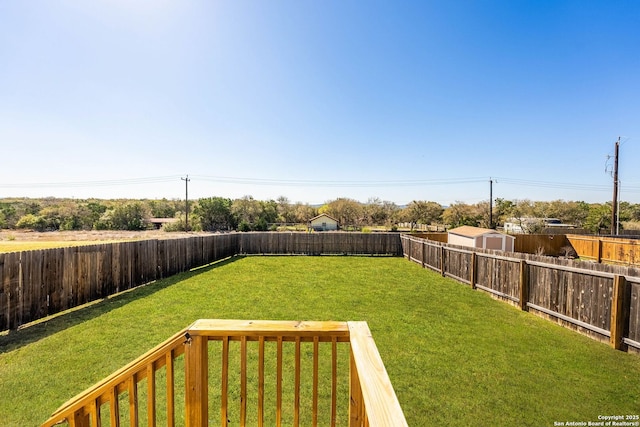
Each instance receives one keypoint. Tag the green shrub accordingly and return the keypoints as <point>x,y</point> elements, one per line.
<point>33,222</point>
<point>173,227</point>
<point>261,225</point>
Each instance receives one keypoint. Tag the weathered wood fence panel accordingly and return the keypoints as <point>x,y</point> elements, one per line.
<point>320,243</point>
<point>457,264</point>
<point>499,276</point>
<point>11,289</point>
<point>35,284</point>
<point>578,295</point>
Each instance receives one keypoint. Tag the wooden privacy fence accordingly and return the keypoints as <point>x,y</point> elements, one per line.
<point>542,244</point>
<point>598,300</point>
<point>255,372</point>
<point>327,243</point>
<point>36,284</point>
<point>614,250</point>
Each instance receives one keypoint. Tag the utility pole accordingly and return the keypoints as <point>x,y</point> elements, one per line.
<point>186,202</point>
<point>490,203</point>
<point>614,206</point>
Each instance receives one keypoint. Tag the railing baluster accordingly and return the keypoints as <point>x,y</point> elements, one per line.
<point>95,413</point>
<point>243,381</point>
<point>114,407</point>
<point>296,405</point>
<point>133,401</point>
<point>151,395</point>
<point>334,380</point>
<point>261,381</point>
<point>316,355</point>
<point>225,382</point>
<point>279,383</point>
<point>171,419</point>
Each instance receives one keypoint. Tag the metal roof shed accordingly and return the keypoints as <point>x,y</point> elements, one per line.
<point>483,238</point>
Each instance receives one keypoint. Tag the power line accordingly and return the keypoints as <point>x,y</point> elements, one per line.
<point>338,183</point>
<point>324,183</point>
<point>556,185</point>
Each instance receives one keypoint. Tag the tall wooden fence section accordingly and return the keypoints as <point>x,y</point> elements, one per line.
<point>614,250</point>
<point>36,284</point>
<point>602,301</point>
<point>542,244</point>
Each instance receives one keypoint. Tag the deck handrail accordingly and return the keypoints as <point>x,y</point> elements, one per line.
<point>372,399</point>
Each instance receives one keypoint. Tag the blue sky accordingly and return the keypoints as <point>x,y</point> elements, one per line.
<point>314,100</point>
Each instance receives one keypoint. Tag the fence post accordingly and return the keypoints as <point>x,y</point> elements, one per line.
<point>424,254</point>
<point>442,261</point>
<point>599,254</point>
<point>196,381</point>
<point>617,311</point>
<point>474,270</point>
<point>524,285</point>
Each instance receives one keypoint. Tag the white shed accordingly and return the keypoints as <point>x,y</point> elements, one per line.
<point>483,238</point>
<point>323,222</point>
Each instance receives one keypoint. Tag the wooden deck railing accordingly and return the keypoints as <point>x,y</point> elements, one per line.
<point>253,373</point>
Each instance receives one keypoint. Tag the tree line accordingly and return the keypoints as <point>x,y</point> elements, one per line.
<point>247,213</point>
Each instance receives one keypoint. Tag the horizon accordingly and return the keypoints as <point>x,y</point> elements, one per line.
<point>294,202</point>
<point>314,101</point>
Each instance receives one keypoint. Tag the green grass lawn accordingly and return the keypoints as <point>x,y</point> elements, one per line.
<point>454,356</point>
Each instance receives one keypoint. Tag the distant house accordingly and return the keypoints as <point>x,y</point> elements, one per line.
<point>483,238</point>
<point>323,222</point>
<point>157,223</point>
<point>534,225</point>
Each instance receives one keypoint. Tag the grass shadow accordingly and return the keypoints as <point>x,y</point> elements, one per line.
<point>53,324</point>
